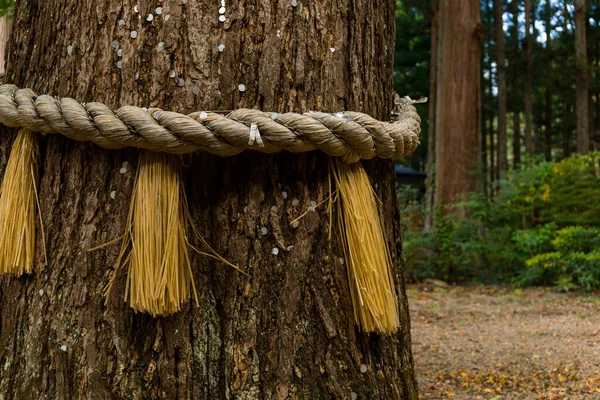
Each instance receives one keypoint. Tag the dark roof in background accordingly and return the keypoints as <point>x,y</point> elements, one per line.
<point>405,171</point>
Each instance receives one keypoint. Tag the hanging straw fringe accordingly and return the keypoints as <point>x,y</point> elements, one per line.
<point>18,206</point>
<point>160,278</point>
<point>367,256</point>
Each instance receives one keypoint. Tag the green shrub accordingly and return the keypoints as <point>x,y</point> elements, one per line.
<point>535,241</point>
<point>542,269</point>
<point>564,192</point>
<point>574,263</point>
<point>461,249</point>
<point>577,239</point>
<point>542,227</point>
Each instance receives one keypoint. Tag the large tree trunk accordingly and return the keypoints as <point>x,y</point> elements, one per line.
<point>457,111</point>
<point>528,110</point>
<point>581,78</point>
<point>501,63</point>
<point>287,330</point>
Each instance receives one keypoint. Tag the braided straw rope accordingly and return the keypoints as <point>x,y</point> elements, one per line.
<point>348,135</point>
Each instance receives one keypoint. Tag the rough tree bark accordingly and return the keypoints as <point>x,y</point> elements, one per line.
<point>581,78</point>
<point>457,109</point>
<point>501,64</point>
<point>287,330</point>
<point>528,110</point>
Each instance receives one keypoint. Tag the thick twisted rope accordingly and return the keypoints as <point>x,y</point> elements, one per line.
<point>348,135</point>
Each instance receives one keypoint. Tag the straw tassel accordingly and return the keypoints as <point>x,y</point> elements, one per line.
<point>159,280</point>
<point>367,256</point>
<point>18,204</point>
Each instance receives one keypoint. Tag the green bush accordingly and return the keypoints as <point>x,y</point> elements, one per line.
<point>574,239</point>
<point>564,192</point>
<point>574,263</point>
<point>460,249</point>
<point>535,241</point>
<point>541,228</point>
<point>542,269</point>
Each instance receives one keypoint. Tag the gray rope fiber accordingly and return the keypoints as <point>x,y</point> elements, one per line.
<point>348,135</point>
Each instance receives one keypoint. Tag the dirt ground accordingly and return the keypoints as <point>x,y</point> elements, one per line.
<point>505,343</point>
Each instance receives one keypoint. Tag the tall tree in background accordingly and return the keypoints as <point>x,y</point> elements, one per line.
<point>284,331</point>
<point>528,108</point>
<point>516,71</point>
<point>581,78</point>
<point>595,78</point>
<point>457,105</point>
<point>549,84</point>
<point>4,32</point>
<point>501,65</point>
<point>433,66</point>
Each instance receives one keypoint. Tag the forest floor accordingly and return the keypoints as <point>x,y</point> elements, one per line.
<point>505,343</point>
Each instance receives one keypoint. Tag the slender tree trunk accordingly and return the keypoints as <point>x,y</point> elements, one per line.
<point>501,62</point>
<point>493,165</point>
<point>433,63</point>
<point>516,71</point>
<point>566,142</point>
<point>549,83</point>
<point>484,154</point>
<point>4,33</point>
<point>457,152</point>
<point>528,111</point>
<point>589,60</point>
<point>538,144</point>
<point>596,134</point>
<point>483,132</point>
<point>286,330</point>
<point>516,139</point>
<point>581,78</point>
<point>597,131</point>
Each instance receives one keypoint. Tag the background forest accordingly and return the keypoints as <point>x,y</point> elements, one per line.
<point>510,145</point>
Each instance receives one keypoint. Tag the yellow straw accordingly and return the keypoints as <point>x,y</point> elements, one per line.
<point>18,206</point>
<point>367,256</point>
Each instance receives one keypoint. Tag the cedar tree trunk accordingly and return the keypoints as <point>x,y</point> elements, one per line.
<point>501,64</point>
<point>457,109</point>
<point>287,330</point>
<point>433,63</point>
<point>581,77</point>
<point>549,82</point>
<point>516,73</point>
<point>528,110</point>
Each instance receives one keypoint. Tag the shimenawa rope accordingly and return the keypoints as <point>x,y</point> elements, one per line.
<point>348,135</point>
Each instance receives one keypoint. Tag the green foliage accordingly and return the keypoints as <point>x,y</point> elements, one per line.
<point>562,192</point>
<point>7,7</point>
<point>535,241</point>
<point>576,239</point>
<point>574,263</point>
<point>471,248</point>
<point>542,228</point>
